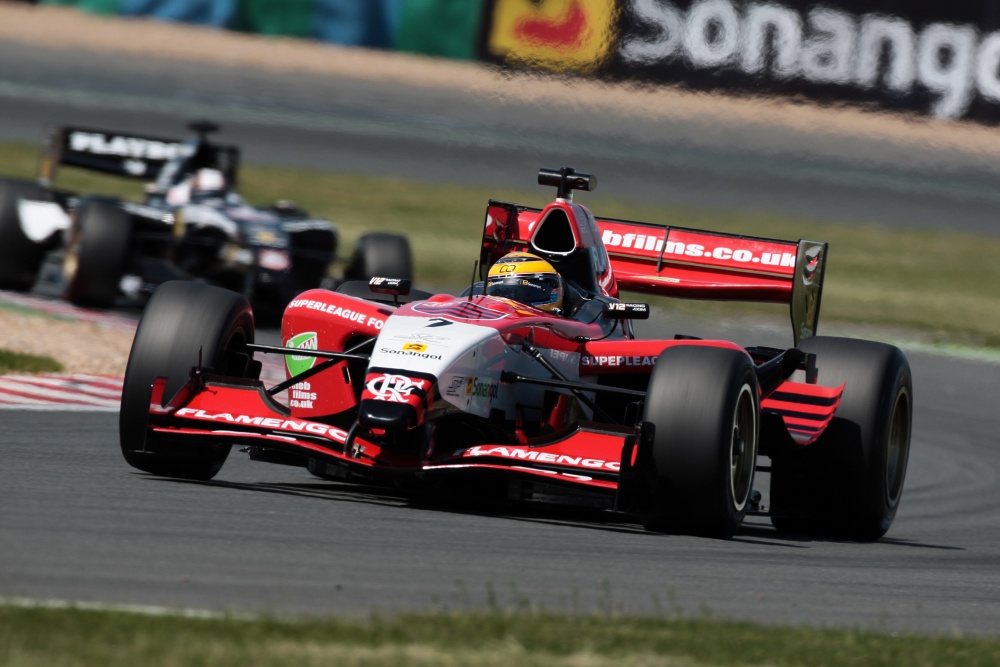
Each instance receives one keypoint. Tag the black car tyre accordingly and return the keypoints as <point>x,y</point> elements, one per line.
<point>182,322</point>
<point>97,254</point>
<point>849,482</point>
<point>20,257</point>
<point>704,405</point>
<point>313,251</point>
<point>380,254</point>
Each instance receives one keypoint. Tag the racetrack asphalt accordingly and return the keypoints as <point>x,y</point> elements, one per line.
<point>77,523</point>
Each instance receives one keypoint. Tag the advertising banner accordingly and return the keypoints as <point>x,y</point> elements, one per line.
<point>94,6</point>
<point>557,35</point>
<point>447,28</point>
<point>216,13</point>
<point>935,58</point>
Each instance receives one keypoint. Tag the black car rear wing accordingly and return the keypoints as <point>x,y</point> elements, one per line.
<point>129,155</point>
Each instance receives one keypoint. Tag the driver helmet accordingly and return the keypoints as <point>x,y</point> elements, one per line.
<point>208,183</point>
<point>527,279</point>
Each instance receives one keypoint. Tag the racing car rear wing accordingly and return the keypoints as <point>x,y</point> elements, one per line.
<point>120,154</point>
<point>689,263</point>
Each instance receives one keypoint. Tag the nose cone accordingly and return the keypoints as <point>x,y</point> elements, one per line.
<point>394,401</point>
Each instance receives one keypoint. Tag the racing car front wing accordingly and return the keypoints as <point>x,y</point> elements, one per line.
<point>241,412</point>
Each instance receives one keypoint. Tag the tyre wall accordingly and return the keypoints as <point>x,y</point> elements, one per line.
<point>940,59</point>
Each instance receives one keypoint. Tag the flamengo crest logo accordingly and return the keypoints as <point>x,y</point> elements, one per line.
<point>393,388</point>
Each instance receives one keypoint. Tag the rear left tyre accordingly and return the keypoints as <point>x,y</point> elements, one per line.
<point>850,481</point>
<point>183,324</point>
<point>703,403</point>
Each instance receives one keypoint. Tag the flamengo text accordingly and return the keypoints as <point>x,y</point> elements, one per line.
<point>541,457</point>
<point>331,432</point>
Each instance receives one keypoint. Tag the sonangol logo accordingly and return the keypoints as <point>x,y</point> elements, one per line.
<point>393,388</point>
<point>556,34</point>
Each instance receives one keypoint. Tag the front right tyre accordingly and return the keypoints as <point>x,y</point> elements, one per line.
<point>184,324</point>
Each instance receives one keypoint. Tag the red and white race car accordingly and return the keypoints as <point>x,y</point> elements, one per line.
<point>483,392</point>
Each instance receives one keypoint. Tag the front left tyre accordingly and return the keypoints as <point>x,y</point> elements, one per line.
<point>185,324</point>
<point>704,405</point>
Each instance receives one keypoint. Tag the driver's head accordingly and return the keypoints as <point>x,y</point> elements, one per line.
<point>527,279</point>
<point>208,183</point>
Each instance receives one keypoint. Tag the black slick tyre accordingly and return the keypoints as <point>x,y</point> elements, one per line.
<point>380,254</point>
<point>20,257</point>
<point>181,321</point>
<point>850,481</point>
<point>97,254</point>
<point>704,405</point>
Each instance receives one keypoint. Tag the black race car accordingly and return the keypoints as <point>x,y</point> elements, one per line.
<point>191,225</point>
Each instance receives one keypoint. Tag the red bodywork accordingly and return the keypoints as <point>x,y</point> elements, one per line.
<point>433,399</point>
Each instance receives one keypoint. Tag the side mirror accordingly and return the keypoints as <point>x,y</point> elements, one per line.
<point>393,286</point>
<point>626,311</point>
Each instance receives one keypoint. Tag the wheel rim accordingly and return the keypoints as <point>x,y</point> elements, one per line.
<point>71,262</point>
<point>743,448</point>
<point>898,448</point>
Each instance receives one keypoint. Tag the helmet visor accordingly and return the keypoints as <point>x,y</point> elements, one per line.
<point>534,291</point>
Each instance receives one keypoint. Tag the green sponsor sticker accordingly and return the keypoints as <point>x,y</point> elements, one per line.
<point>298,363</point>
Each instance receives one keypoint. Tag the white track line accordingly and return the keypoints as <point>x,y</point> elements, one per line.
<point>141,609</point>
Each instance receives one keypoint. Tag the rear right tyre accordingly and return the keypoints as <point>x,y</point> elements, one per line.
<point>97,254</point>
<point>380,254</point>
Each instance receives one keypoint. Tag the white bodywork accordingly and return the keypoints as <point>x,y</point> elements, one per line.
<point>41,219</point>
<point>467,360</point>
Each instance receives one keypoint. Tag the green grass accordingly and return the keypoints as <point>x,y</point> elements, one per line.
<point>55,638</point>
<point>17,362</point>
<point>942,284</point>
